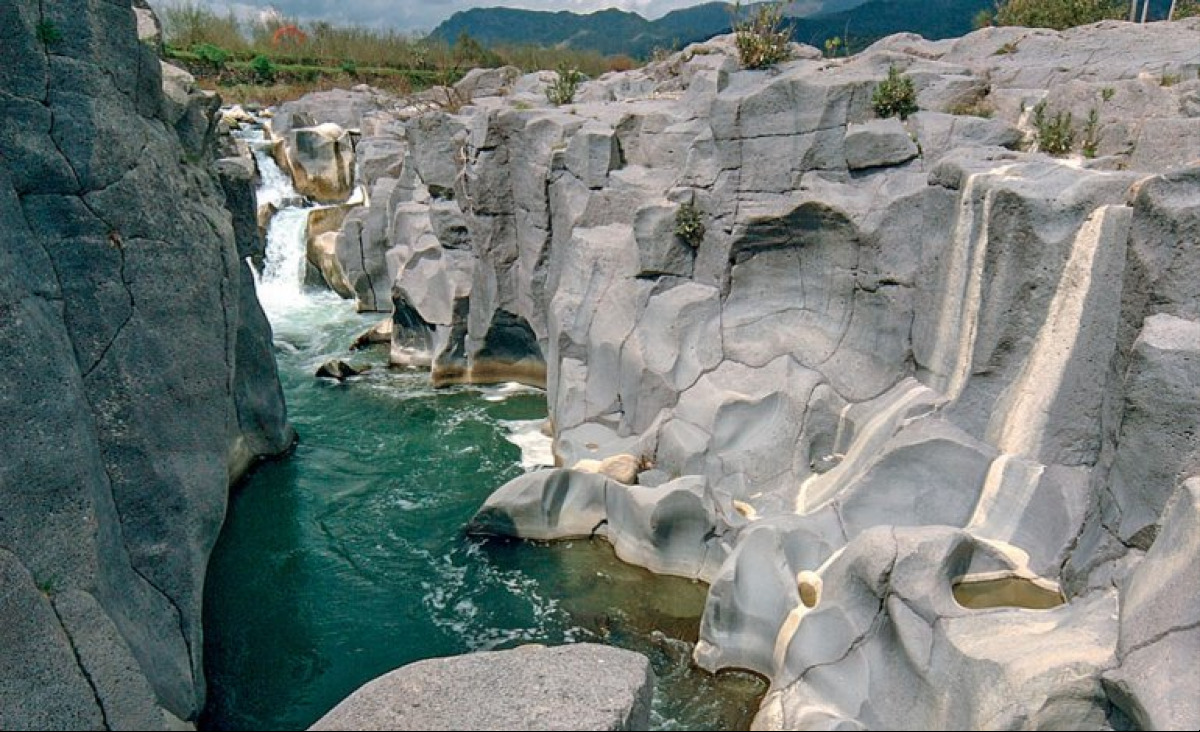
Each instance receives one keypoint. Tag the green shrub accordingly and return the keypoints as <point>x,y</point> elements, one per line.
<point>1059,14</point>
<point>895,95</point>
<point>562,91</point>
<point>1107,93</point>
<point>762,40</point>
<point>211,55</point>
<point>349,68</point>
<point>1091,134</point>
<point>263,69</point>
<point>1186,9</point>
<point>1053,135</point>
<point>47,32</point>
<point>689,225</point>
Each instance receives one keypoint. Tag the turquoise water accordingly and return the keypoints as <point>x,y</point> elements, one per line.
<point>347,559</point>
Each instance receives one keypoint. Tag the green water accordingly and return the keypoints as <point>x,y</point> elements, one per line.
<point>347,559</point>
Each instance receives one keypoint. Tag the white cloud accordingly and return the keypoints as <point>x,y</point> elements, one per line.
<point>416,15</point>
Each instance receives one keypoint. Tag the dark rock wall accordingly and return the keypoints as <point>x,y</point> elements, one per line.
<point>137,372</point>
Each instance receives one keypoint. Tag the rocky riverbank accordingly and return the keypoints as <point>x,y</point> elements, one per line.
<point>919,401</point>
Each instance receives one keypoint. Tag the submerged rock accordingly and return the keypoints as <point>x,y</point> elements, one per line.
<point>337,369</point>
<point>580,687</point>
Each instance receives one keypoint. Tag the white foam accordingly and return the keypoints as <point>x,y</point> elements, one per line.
<point>537,449</point>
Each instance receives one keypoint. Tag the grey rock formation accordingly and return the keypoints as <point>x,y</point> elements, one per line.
<point>915,404</point>
<point>138,377</point>
<point>574,687</point>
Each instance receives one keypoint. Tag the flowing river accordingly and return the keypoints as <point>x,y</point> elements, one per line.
<point>347,558</point>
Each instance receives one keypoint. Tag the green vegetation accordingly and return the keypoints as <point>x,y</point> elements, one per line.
<point>1091,134</point>
<point>260,61</point>
<point>895,96</point>
<point>1054,135</point>
<point>1004,50</point>
<point>213,56</point>
<point>1168,79</point>
<point>1059,14</point>
<point>689,225</point>
<point>1107,93</point>
<point>47,32</point>
<point>831,46</point>
<point>263,68</point>
<point>762,39</point>
<point>1186,9</point>
<point>562,91</point>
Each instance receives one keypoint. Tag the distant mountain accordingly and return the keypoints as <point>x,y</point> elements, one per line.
<point>616,31</point>
<point>870,21</point>
<point>607,31</point>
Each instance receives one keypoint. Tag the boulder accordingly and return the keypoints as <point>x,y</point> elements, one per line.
<point>582,687</point>
<point>1160,626</point>
<point>487,82</point>
<point>149,28</point>
<point>321,160</point>
<point>340,370</point>
<point>878,143</point>
<point>321,248</point>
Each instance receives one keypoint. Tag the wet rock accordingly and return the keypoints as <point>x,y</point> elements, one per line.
<point>337,369</point>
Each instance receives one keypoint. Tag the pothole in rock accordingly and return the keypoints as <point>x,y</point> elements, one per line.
<point>1010,591</point>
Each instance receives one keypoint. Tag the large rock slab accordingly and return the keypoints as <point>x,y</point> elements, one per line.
<point>576,687</point>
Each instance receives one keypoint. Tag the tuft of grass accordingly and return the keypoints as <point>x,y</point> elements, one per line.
<point>1007,48</point>
<point>762,39</point>
<point>895,96</point>
<point>1054,135</point>
<point>1107,93</point>
<point>1168,79</point>
<point>1091,134</point>
<point>562,91</point>
<point>979,107</point>
<point>47,32</point>
<point>689,224</point>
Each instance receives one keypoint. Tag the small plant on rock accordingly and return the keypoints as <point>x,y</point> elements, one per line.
<point>562,91</point>
<point>349,68</point>
<point>895,96</point>
<point>1091,134</point>
<point>1107,93</point>
<point>689,225</point>
<point>762,39</point>
<point>47,32</point>
<point>1053,135</point>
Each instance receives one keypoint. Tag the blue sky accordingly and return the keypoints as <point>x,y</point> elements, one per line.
<point>418,15</point>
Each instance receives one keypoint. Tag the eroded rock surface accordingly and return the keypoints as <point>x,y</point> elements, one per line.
<point>917,400</point>
<point>138,376</point>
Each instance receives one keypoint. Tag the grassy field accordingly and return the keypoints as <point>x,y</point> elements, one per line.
<point>276,58</point>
